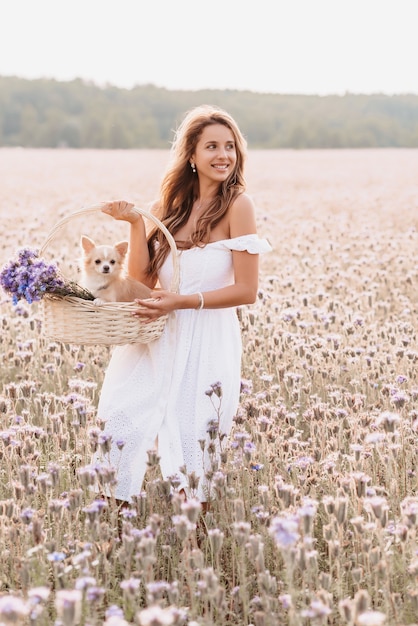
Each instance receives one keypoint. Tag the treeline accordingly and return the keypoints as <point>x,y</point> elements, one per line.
<point>79,114</point>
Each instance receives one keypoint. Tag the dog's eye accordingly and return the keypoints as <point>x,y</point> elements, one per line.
<point>112,262</point>
<point>97,261</point>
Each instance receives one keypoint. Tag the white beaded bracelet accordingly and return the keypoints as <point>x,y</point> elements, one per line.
<point>201,301</point>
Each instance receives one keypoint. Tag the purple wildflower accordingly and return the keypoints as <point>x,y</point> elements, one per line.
<point>29,277</point>
<point>94,509</point>
<point>114,611</point>
<point>215,388</point>
<point>131,585</point>
<point>213,429</point>
<point>85,582</point>
<point>399,398</point>
<point>285,531</point>
<point>12,609</point>
<point>246,386</point>
<point>26,515</point>
<point>317,609</point>
<point>105,443</point>
<point>95,594</point>
<point>56,557</point>
<point>68,605</point>
<point>249,447</point>
<point>286,601</point>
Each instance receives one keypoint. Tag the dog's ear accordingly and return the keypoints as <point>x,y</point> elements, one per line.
<point>122,247</point>
<point>87,244</point>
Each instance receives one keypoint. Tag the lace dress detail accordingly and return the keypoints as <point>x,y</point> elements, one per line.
<point>156,391</point>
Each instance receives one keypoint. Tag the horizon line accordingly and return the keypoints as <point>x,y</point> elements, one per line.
<point>106,85</point>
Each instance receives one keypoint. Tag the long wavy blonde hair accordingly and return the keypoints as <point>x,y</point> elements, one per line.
<point>179,187</point>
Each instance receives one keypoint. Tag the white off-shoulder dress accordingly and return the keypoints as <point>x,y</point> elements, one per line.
<point>155,392</point>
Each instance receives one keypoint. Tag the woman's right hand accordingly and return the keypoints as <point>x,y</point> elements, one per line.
<point>120,210</point>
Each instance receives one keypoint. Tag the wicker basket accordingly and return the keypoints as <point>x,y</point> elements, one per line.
<point>72,320</point>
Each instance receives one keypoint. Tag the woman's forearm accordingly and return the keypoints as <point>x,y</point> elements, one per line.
<point>138,259</point>
<point>231,296</point>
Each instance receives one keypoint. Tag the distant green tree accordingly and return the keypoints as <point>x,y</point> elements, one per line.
<point>80,114</point>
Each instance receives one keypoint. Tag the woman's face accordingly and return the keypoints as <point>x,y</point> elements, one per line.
<point>215,154</point>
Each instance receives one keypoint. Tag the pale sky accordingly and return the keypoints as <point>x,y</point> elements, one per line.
<point>279,46</point>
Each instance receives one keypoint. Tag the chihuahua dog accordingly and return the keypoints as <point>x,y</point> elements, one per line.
<point>103,273</point>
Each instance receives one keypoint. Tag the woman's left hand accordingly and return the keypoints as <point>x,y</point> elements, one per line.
<point>159,303</point>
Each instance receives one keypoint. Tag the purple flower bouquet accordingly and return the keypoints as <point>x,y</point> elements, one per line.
<point>29,277</point>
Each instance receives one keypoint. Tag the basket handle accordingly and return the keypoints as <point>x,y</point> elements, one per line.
<point>98,208</point>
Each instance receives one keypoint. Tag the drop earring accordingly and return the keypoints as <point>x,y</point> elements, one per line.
<point>193,166</point>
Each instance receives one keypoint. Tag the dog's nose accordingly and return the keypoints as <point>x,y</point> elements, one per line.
<point>105,269</point>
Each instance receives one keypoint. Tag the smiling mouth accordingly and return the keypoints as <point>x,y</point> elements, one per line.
<point>220,167</point>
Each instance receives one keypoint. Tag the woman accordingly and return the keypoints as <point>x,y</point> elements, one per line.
<point>167,393</point>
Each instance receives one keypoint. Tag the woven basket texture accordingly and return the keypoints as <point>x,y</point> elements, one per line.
<point>72,320</point>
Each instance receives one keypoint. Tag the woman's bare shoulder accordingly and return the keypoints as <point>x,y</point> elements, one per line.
<point>242,201</point>
<point>242,216</point>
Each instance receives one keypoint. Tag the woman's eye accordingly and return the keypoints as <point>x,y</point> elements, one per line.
<point>229,146</point>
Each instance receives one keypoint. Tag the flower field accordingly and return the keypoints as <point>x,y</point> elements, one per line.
<point>316,512</point>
